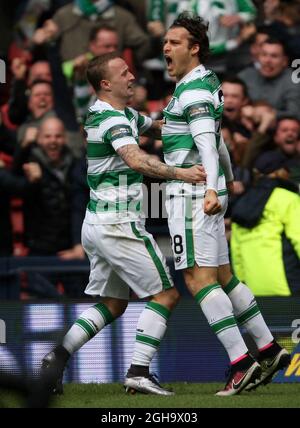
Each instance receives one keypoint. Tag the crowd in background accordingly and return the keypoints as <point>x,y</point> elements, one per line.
<point>47,45</point>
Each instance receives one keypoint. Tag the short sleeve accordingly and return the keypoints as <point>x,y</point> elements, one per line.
<point>118,132</point>
<point>198,110</point>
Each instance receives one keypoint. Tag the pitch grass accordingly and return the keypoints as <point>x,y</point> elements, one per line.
<point>188,395</point>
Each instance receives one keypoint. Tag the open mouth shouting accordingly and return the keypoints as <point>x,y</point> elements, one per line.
<point>169,61</point>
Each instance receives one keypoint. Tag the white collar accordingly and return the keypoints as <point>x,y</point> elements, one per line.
<point>199,67</point>
<point>101,105</point>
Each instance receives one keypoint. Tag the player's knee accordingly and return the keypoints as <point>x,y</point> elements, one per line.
<point>116,306</point>
<point>168,298</point>
<point>224,275</point>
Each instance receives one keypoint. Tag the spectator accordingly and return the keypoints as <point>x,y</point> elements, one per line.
<point>285,26</point>
<point>40,106</point>
<point>47,209</point>
<point>286,138</point>
<point>265,238</point>
<point>260,119</point>
<point>272,82</point>
<point>137,8</point>
<point>271,10</point>
<point>17,186</point>
<point>228,29</point>
<point>258,39</point>
<point>74,22</point>
<point>103,39</point>
<point>235,98</point>
<point>24,76</point>
<point>235,133</point>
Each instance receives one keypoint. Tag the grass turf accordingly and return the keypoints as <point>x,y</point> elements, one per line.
<point>188,395</point>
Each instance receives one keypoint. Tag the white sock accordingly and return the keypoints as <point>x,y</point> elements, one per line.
<point>218,311</point>
<point>150,330</point>
<point>90,322</point>
<point>247,312</point>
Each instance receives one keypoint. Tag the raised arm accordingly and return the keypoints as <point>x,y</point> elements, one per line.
<point>149,165</point>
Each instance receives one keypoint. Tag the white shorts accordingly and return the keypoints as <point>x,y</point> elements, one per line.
<point>129,251</point>
<point>196,237</point>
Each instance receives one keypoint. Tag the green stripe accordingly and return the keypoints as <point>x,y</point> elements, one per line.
<point>128,113</point>
<point>158,264</point>
<point>205,292</point>
<point>99,150</point>
<point>189,240</point>
<point>105,206</point>
<point>249,313</point>
<point>227,328</point>
<point>140,122</point>
<point>173,142</point>
<point>210,83</point>
<point>174,117</point>
<point>231,284</point>
<point>246,6</point>
<point>223,324</point>
<point>148,340</point>
<point>93,119</point>
<point>218,4</point>
<point>86,327</point>
<point>112,178</point>
<point>162,310</point>
<point>105,313</point>
<point>222,319</point>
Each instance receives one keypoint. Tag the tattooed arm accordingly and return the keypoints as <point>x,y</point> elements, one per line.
<point>146,164</point>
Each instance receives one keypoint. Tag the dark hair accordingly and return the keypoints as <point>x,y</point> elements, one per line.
<point>275,41</point>
<point>237,81</point>
<point>40,82</point>
<point>286,117</point>
<point>102,27</point>
<point>97,69</point>
<point>263,29</point>
<point>197,28</point>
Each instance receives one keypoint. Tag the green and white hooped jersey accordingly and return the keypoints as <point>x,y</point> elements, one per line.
<point>115,189</point>
<point>195,108</point>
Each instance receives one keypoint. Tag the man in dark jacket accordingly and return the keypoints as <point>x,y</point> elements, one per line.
<point>47,209</point>
<point>74,22</point>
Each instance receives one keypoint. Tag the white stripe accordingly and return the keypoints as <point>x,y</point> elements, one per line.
<point>182,156</point>
<point>93,134</point>
<point>171,128</point>
<point>118,194</point>
<point>124,141</point>
<point>113,121</point>
<point>200,126</point>
<point>99,166</point>
<point>195,95</point>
